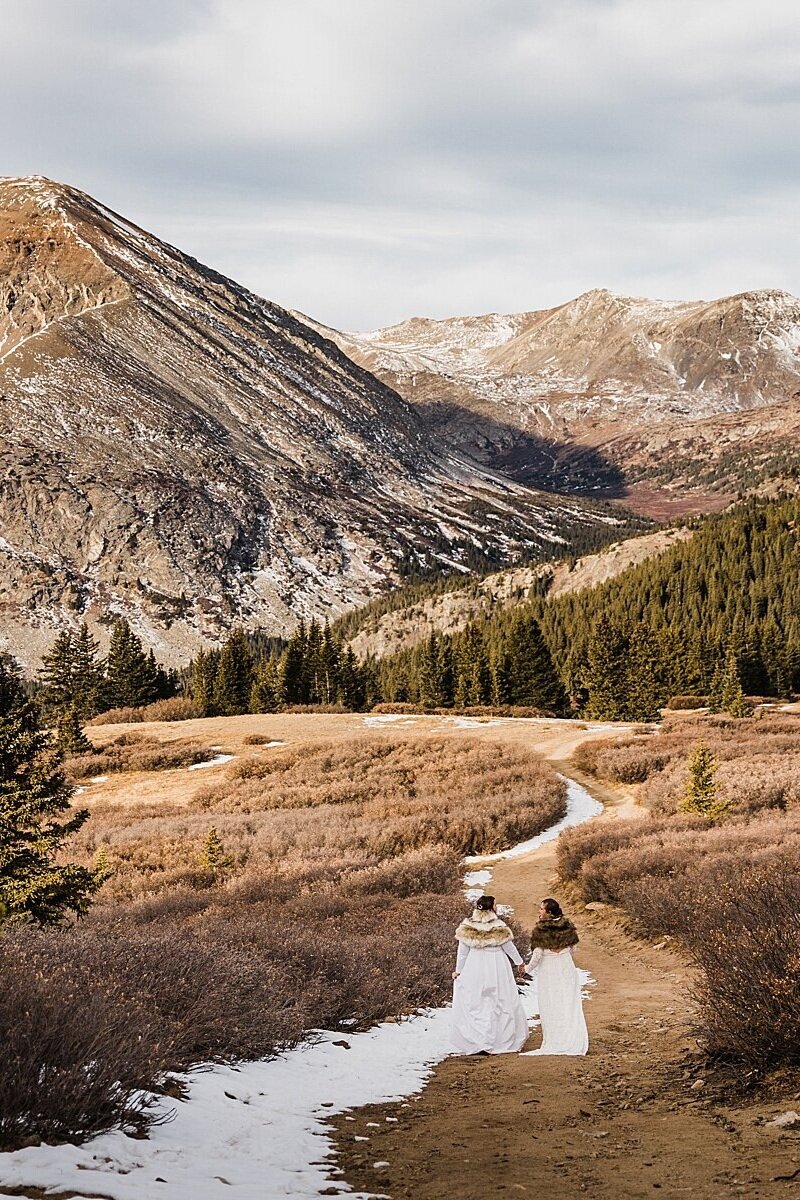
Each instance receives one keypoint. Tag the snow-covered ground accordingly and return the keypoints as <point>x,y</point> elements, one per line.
<point>216,761</point>
<point>581,806</point>
<point>258,1132</point>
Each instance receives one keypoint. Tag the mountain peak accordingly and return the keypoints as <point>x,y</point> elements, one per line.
<point>181,451</point>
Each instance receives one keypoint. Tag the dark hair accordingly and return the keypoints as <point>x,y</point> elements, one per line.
<point>552,907</point>
<point>486,903</point>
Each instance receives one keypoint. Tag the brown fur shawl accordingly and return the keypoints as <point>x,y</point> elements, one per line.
<point>483,928</point>
<point>554,933</point>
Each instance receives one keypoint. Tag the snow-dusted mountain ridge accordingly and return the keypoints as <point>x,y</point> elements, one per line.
<point>181,450</point>
<point>531,393</point>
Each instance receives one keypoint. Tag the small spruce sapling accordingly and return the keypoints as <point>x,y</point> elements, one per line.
<point>213,856</point>
<point>701,795</point>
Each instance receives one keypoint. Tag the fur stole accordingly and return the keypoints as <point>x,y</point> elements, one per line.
<point>554,933</point>
<point>483,928</point>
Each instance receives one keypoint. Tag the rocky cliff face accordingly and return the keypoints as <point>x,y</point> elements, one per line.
<point>180,450</point>
<point>592,396</point>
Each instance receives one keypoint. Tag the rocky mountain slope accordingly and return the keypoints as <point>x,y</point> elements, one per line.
<point>411,623</point>
<point>180,450</point>
<point>600,395</point>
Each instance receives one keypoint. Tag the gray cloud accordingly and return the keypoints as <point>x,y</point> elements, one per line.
<point>371,159</point>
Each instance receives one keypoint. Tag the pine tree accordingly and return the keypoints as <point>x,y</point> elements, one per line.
<point>265,694</point>
<point>70,737</point>
<point>354,682</point>
<point>700,796</point>
<point>70,675</point>
<point>56,675</point>
<point>330,665</point>
<point>12,692</point>
<point>102,866</point>
<point>35,822</point>
<point>429,679</point>
<point>86,674</point>
<point>473,682</point>
<point>204,675</point>
<point>213,856</point>
<point>234,679</point>
<point>132,678</point>
<point>607,672</point>
<point>293,669</point>
<point>732,698</point>
<point>644,693</point>
<point>529,675</point>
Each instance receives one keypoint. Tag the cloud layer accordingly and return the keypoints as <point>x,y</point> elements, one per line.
<point>372,159</point>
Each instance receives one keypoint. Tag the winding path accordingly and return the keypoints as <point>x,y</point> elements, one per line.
<point>623,1122</point>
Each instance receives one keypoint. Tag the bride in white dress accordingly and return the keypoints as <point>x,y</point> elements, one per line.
<point>488,1017</point>
<point>558,983</point>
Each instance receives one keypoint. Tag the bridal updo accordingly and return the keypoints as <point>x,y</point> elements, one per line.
<point>485,903</point>
<point>552,907</point>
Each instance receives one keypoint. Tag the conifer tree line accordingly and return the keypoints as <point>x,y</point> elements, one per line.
<point>76,683</point>
<point>488,663</point>
<point>716,616</point>
<point>314,667</point>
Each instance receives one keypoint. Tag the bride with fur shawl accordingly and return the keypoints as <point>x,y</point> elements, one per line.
<point>488,1017</point>
<point>558,983</point>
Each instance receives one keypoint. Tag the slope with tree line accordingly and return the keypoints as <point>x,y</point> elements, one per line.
<point>717,615</point>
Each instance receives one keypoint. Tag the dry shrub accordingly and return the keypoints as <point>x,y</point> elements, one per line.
<point>78,1060</point>
<point>117,716</point>
<point>135,751</point>
<point>746,940</point>
<point>729,892</point>
<point>336,709</point>
<point>398,706</point>
<point>256,739</point>
<point>741,926</point>
<point>686,703</point>
<point>638,758</point>
<point>341,912</point>
<point>604,861</point>
<point>385,796</point>
<point>373,798</point>
<point>176,708</point>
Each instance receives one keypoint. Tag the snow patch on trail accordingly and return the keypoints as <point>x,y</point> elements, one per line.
<point>259,1130</point>
<point>581,806</point>
<point>216,761</point>
<point>388,719</point>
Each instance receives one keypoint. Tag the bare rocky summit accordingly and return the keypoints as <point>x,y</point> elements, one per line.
<point>610,395</point>
<point>184,452</point>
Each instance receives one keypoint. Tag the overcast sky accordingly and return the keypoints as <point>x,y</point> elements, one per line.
<point>367,160</point>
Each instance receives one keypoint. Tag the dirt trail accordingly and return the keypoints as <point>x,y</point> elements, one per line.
<point>623,1122</point>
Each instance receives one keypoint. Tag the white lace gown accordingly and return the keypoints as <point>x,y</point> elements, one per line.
<point>487,1010</point>
<point>558,984</point>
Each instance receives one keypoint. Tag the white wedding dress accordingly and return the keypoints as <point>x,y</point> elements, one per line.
<point>558,983</point>
<point>487,1010</point>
